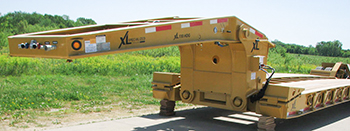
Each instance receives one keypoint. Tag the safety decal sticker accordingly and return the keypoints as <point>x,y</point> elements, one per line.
<point>106,46</point>
<point>102,44</point>
<point>101,39</point>
<point>215,21</point>
<point>90,47</point>
<point>158,28</point>
<point>97,44</point>
<point>191,24</point>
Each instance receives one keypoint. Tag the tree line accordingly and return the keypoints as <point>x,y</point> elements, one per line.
<point>323,48</point>
<point>18,22</point>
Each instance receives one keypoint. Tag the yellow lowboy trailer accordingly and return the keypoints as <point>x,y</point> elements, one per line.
<point>223,64</point>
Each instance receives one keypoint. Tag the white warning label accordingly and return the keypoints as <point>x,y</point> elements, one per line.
<point>90,47</point>
<point>101,39</point>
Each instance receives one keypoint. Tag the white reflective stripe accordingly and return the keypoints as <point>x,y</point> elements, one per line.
<point>252,30</point>
<point>214,21</point>
<point>185,25</point>
<point>150,30</point>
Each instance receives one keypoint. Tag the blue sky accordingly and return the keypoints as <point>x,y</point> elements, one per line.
<point>303,22</point>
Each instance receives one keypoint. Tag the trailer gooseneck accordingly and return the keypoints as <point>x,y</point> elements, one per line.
<point>223,64</point>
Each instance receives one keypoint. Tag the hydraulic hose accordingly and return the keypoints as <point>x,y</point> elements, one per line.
<point>261,92</point>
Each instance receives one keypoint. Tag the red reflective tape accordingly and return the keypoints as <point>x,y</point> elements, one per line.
<point>307,108</point>
<point>292,113</point>
<point>222,20</point>
<point>196,23</point>
<point>160,28</point>
<point>258,34</point>
<point>318,105</point>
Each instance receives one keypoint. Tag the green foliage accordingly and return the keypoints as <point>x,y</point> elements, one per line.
<point>21,22</point>
<point>18,22</point>
<point>169,51</point>
<point>121,64</point>
<point>329,48</point>
<point>279,50</point>
<point>83,21</point>
<point>293,48</point>
<point>297,63</point>
<point>3,39</point>
<point>346,53</point>
<point>19,93</point>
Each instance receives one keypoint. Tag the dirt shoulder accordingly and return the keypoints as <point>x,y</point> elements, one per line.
<point>59,118</point>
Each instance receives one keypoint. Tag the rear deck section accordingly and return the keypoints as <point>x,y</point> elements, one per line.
<point>293,95</point>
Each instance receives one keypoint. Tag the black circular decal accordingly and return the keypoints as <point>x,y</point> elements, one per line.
<point>76,45</point>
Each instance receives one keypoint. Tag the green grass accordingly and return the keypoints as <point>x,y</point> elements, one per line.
<point>31,87</point>
<point>55,91</point>
<point>120,64</point>
<point>296,63</point>
<point>26,98</point>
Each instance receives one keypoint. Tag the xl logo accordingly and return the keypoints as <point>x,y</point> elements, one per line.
<point>255,45</point>
<point>124,40</point>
